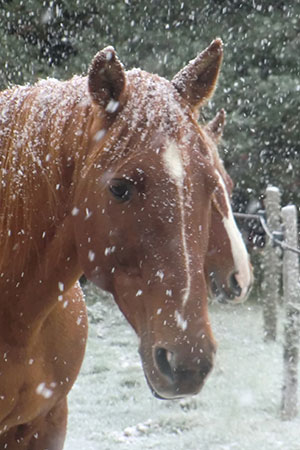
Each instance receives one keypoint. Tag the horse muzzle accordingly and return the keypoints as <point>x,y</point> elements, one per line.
<point>171,375</point>
<point>228,290</point>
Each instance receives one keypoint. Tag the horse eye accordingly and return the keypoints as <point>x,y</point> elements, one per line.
<point>121,189</point>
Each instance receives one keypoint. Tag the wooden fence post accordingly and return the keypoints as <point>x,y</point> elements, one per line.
<point>292,309</point>
<point>271,266</point>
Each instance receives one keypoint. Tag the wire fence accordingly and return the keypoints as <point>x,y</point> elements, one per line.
<point>276,237</point>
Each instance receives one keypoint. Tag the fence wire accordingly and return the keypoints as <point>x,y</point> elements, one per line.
<point>276,237</point>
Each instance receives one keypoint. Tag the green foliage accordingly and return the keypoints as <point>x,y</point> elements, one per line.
<point>259,85</point>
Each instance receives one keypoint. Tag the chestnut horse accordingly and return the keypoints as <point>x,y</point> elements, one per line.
<point>109,175</point>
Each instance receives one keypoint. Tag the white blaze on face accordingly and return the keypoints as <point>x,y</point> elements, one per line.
<point>181,323</point>
<point>173,163</point>
<point>238,248</point>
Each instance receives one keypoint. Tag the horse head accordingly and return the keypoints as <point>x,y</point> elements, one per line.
<point>145,204</point>
<point>228,271</point>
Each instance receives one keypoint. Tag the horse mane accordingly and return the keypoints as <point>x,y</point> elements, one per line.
<point>35,124</point>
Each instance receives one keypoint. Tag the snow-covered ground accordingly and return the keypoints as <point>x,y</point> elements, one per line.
<point>111,407</point>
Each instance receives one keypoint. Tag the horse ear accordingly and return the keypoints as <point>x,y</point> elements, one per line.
<point>107,80</point>
<point>216,126</point>
<point>196,81</point>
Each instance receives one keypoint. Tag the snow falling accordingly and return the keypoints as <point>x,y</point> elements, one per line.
<point>110,406</point>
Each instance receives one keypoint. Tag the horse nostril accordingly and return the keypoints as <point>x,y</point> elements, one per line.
<point>206,364</point>
<point>234,285</point>
<point>163,360</point>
